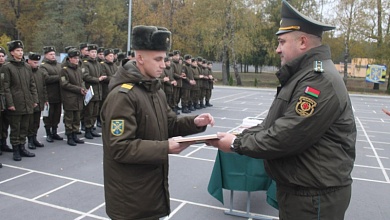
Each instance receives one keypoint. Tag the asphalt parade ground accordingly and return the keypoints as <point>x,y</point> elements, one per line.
<point>64,182</point>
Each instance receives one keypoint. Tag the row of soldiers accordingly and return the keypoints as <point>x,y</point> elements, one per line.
<point>58,86</point>
<point>187,80</point>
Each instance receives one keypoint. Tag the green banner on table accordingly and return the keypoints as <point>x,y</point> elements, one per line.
<point>241,173</point>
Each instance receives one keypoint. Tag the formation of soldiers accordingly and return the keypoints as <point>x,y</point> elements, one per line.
<point>27,88</point>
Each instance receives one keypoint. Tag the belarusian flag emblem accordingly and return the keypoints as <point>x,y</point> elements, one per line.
<point>313,92</point>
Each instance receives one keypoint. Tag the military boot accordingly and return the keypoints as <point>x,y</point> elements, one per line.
<point>1,165</point>
<point>70,141</point>
<point>55,136</point>
<point>202,105</point>
<point>191,108</point>
<point>95,134</point>
<point>76,139</point>
<point>24,152</point>
<point>36,142</point>
<point>49,137</point>
<point>4,146</point>
<point>31,143</point>
<point>185,110</point>
<point>82,126</point>
<point>197,106</point>
<point>98,122</point>
<point>16,151</point>
<point>208,104</point>
<point>88,133</point>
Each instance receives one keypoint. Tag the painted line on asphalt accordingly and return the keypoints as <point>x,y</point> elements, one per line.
<point>15,177</point>
<point>91,211</point>
<point>54,190</point>
<point>375,153</point>
<point>182,204</point>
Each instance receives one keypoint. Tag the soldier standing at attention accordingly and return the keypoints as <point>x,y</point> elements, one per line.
<point>51,70</point>
<point>137,124</point>
<point>210,88</point>
<point>21,98</point>
<point>308,138</point>
<point>167,82</point>
<point>186,88</point>
<point>176,72</point>
<point>4,124</point>
<point>194,85</point>
<point>39,78</point>
<point>93,76</point>
<point>100,54</point>
<point>73,92</point>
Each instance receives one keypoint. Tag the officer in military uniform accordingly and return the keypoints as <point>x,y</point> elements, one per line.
<point>4,124</point>
<point>309,135</point>
<point>176,72</point>
<point>21,97</point>
<point>51,70</point>
<point>39,78</point>
<point>73,92</point>
<point>93,76</point>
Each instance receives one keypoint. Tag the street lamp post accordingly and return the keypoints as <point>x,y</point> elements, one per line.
<point>129,28</point>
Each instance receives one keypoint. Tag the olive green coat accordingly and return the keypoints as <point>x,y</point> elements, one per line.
<point>19,87</point>
<point>307,141</point>
<point>93,70</point>
<point>71,85</point>
<point>39,79</point>
<point>109,69</point>
<point>136,125</point>
<point>51,71</point>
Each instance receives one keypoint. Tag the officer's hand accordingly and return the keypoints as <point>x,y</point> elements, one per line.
<point>204,119</point>
<point>176,148</point>
<point>223,142</point>
<point>12,108</point>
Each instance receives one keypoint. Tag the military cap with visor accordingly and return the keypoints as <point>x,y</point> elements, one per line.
<point>176,52</point>
<point>12,45</point>
<point>187,57</point>
<point>293,20</point>
<point>34,56</point>
<point>47,49</point>
<point>73,53</point>
<point>151,38</point>
<point>100,50</point>
<point>83,45</point>
<point>67,48</point>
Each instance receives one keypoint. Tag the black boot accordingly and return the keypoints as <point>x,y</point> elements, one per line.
<point>70,141</point>
<point>88,133</point>
<point>192,108</point>
<point>30,143</point>
<point>4,146</point>
<point>208,104</point>
<point>55,136</point>
<point>202,105</point>
<point>95,134</point>
<point>76,139</point>
<point>176,111</point>
<point>185,110</point>
<point>82,126</point>
<point>24,152</point>
<point>36,142</point>
<point>16,151</point>
<point>98,122</point>
<point>49,138</point>
<point>1,165</point>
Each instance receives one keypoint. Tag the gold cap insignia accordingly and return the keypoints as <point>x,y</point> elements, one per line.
<point>305,106</point>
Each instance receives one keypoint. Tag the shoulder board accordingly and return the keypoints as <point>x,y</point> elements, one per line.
<point>85,61</point>
<point>101,62</point>
<point>42,63</point>
<point>317,65</point>
<point>64,67</point>
<point>126,87</point>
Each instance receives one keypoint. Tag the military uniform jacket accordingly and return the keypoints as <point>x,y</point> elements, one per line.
<point>308,142</point>
<point>211,81</point>
<point>19,87</point>
<point>205,81</point>
<point>39,79</point>
<point>176,72</point>
<point>109,69</point>
<point>136,125</point>
<point>51,70</point>
<point>195,75</point>
<point>71,85</point>
<point>186,69</point>
<point>93,70</point>
<point>167,87</point>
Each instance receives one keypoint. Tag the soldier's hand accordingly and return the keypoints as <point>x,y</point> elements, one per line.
<point>102,78</point>
<point>35,105</point>
<point>204,119</point>
<point>176,148</point>
<point>83,92</point>
<point>12,108</point>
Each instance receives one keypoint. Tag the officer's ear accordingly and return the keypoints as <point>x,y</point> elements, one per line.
<point>139,57</point>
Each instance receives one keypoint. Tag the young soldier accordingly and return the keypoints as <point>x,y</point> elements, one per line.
<point>186,88</point>
<point>21,97</point>
<point>100,54</point>
<point>167,82</point>
<point>51,70</point>
<point>3,115</point>
<point>73,91</point>
<point>211,83</point>
<point>205,83</point>
<point>137,125</point>
<point>39,78</point>
<point>93,76</point>
<point>176,72</point>
<point>195,85</point>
